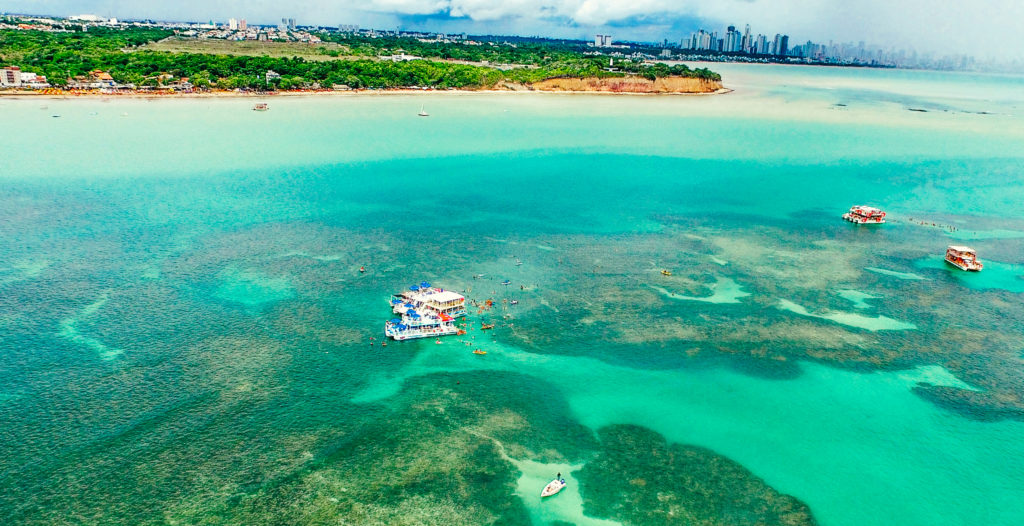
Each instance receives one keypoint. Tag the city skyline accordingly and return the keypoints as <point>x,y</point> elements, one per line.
<point>985,31</point>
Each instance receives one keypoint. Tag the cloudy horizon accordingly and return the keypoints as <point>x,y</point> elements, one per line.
<point>984,29</point>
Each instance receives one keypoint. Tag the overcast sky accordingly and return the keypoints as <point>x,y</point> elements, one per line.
<point>984,28</point>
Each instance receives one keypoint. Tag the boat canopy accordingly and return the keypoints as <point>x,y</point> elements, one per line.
<point>445,296</point>
<point>960,248</point>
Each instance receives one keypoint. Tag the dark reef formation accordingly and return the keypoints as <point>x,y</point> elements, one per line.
<point>638,478</point>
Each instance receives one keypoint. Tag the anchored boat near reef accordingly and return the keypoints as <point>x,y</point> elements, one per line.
<point>553,487</point>
<point>963,258</point>
<point>865,215</point>
<point>425,312</point>
<point>260,106</point>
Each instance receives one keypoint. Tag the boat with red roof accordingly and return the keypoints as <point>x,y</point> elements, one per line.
<point>862,215</point>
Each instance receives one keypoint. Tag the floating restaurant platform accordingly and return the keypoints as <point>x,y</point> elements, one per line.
<point>425,312</point>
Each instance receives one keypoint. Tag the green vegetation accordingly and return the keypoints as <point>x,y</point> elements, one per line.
<point>61,56</point>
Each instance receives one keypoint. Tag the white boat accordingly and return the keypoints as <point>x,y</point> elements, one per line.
<point>553,487</point>
<point>260,106</point>
<point>423,113</point>
<point>861,215</point>
<point>426,312</point>
<point>963,258</point>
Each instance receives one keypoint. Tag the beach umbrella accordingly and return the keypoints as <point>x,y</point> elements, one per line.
<point>408,305</point>
<point>395,321</point>
<point>414,288</point>
<point>424,285</point>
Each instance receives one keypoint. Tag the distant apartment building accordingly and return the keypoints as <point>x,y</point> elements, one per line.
<point>242,25</point>
<point>10,77</point>
<point>233,24</point>
<point>602,41</point>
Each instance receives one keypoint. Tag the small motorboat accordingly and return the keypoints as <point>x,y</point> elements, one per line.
<point>553,487</point>
<point>507,282</point>
<point>666,272</point>
<point>478,351</point>
<point>514,302</point>
<point>362,269</point>
<point>261,106</point>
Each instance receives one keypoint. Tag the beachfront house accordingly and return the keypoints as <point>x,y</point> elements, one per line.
<point>14,77</point>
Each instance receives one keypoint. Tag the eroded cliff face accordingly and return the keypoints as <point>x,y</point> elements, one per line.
<point>630,85</point>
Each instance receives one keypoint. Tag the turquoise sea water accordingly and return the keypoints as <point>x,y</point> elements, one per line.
<point>186,337</point>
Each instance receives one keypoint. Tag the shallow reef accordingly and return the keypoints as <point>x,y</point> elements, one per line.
<point>640,479</point>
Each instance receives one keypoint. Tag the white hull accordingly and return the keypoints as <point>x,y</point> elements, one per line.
<point>412,334</point>
<point>553,487</point>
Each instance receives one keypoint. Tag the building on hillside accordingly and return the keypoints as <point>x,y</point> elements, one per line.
<point>10,77</point>
<point>101,79</point>
<point>400,57</point>
<point>33,80</point>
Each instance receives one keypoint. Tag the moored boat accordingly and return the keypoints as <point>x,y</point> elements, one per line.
<point>963,258</point>
<point>553,487</point>
<point>862,215</point>
<point>426,312</point>
<point>666,272</point>
<point>260,106</point>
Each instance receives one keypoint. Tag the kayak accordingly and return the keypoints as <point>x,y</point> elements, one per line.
<point>553,487</point>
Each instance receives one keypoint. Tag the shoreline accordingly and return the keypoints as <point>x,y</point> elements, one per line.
<point>36,95</point>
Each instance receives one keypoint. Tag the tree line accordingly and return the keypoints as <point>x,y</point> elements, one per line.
<point>64,55</point>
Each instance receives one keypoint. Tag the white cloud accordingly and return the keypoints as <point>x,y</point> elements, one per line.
<point>981,27</point>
